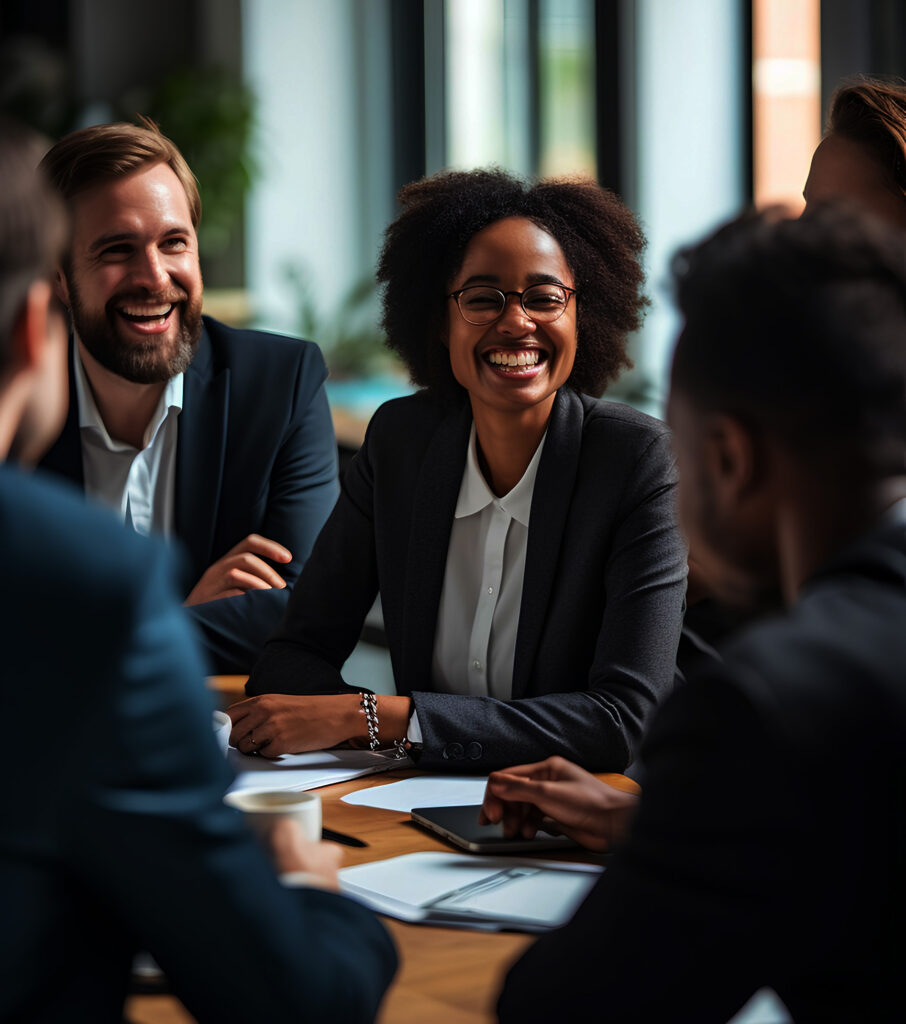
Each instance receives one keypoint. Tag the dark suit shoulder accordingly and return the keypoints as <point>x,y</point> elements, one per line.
<point>404,428</point>
<point>224,338</point>
<point>84,583</point>
<point>829,671</point>
<point>263,368</point>
<point>253,347</point>
<point>418,411</point>
<point>606,419</point>
<point>625,449</point>
<point>92,545</point>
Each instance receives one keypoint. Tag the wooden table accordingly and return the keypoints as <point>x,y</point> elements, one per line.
<point>447,975</point>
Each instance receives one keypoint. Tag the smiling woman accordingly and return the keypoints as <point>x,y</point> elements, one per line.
<point>520,532</point>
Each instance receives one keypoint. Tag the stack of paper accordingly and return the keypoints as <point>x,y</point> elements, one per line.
<point>460,890</point>
<point>308,771</point>
<point>422,791</point>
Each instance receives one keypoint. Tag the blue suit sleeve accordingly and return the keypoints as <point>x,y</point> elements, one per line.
<point>303,490</point>
<point>149,834</point>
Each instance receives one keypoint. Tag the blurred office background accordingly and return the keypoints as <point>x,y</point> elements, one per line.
<point>302,118</point>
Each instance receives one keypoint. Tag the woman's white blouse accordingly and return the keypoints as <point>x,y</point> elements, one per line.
<point>475,640</point>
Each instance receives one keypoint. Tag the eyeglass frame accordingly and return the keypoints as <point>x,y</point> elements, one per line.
<point>570,292</point>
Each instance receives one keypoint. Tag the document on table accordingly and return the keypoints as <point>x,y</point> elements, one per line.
<point>422,791</point>
<point>463,891</point>
<point>307,771</point>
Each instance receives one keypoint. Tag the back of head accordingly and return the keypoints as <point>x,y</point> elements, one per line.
<point>105,152</point>
<point>798,329</point>
<point>872,113</point>
<point>32,225</point>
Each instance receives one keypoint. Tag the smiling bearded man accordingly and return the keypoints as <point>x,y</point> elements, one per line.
<point>185,427</point>
<point>148,329</point>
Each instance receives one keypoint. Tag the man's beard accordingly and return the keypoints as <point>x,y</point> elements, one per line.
<point>142,362</point>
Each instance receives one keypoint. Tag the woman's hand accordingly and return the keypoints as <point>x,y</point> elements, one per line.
<point>558,796</point>
<point>277,723</point>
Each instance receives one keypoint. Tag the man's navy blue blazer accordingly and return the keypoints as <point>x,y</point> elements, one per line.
<point>114,836</point>
<point>255,454</point>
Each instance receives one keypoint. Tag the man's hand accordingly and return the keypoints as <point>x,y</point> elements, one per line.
<point>292,852</point>
<point>242,568</point>
<point>558,796</point>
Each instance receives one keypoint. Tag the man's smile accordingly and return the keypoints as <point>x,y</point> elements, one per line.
<point>146,314</point>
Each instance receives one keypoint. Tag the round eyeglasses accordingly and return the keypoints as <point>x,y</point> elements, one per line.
<point>481,305</point>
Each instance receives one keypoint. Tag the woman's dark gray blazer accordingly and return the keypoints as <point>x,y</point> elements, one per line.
<point>602,595</point>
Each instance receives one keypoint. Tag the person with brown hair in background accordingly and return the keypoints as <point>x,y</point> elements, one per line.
<point>862,156</point>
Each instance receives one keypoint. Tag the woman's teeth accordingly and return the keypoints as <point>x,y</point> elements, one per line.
<point>526,357</point>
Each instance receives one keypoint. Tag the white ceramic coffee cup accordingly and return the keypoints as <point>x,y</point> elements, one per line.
<point>262,807</point>
<point>223,726</point>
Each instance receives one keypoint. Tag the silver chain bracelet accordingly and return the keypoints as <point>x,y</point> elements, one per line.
<point>369,707</point>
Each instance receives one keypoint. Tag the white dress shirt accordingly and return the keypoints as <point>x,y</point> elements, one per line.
<point>139,484</point>
<point>475,640</point>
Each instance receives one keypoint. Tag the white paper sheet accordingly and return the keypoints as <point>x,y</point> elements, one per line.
<point>474,892</point>
<point>422,791</point>
<point>307,771</point>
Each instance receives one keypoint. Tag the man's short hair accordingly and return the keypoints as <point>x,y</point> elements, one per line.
<point>105,152</point>
<point>798,328</point>
<point>32,225</point>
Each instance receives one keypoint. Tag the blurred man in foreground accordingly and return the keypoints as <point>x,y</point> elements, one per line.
<point>768,846</point>
<point>114,836</point>
<point>185,427</point>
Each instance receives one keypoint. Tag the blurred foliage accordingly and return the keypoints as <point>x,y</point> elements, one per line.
<point>210,114</point>
<point>34,85</point>
<point>352,342</point>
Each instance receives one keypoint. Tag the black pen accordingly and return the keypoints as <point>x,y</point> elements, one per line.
<point>341,837</point>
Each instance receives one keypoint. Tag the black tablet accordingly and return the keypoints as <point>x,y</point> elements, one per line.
<point>459,825</point>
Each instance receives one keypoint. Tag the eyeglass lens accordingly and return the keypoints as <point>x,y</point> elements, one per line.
<point>542,302</point>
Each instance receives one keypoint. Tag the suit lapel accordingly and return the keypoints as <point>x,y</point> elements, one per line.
<point>547,526</point>
<point>65,457</point>
<point>433,507</point>
<point>200,453</point>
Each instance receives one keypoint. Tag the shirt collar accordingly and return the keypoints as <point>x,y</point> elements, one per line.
<point>90,418</point>
<point>475,495</point>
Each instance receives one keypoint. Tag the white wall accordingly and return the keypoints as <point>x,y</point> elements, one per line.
<point>320,153</point>
<point>688,142</point>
